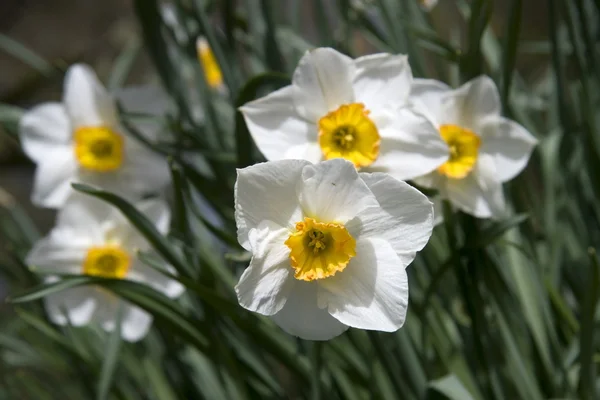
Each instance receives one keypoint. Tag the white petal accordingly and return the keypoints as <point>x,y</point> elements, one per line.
<point>43,129</point>
<point>53,177</point>
<point>469,104</point>
<point>86,100</point>
<point>276,126</point>
<point>476,194</point>
<point>322,82</point>
<point>135,324</point>
<point>382,80</point>
<point>310,152</point>
<point>404,217</point>
<point>372,292</point>
<point>303,318</point>
<point>267,191</point>
<point>63,250</point>
<point>78,304</point>
<point>333,191</point>
<point>266,283</point>
<point>410,147</point>
<point>108,305</point>
<point>84,215</point>
<point>432,180</point>
<point>427,96</point>
<point>509,143</point>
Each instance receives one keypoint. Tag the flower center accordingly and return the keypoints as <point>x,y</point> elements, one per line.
<point>98,148</point>
<point>319,250</point>
<point>464,148</point>
<point>349,133</point>
<point>212,72</point>
<point>106,262</point>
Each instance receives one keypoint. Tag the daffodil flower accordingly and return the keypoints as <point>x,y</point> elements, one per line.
<point>91,238</point>
<point>358,110</point>
<point>329,245</point>
<point>81,140</point>
<point>486,149</point>
<point>212,71</point>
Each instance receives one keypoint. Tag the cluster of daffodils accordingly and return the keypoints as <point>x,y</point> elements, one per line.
<point>329,221</point>
<point>81,140</point>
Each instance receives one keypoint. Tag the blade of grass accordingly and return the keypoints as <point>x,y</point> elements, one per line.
<point>111,358</point>
<point>587,376</point>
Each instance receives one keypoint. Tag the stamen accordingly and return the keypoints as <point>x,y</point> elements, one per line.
<point>349,133</point>
<point>98,148</point>
<point>319,250</point>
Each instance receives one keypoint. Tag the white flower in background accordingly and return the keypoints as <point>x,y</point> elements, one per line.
<point>329,245</point>
<point>486,149</point>
<point>92,238</point>
<point>81,140</point>
<point>357,109</point>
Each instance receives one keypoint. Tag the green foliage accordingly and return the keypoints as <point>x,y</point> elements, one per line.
<point>498,310</point>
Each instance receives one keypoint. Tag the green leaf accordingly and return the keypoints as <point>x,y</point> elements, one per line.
<point>496,230</point>
<point>511,44</point>
<point>111,358</point>
<point>166,311</point>
<point>587,376</point>
<point>124,63</point>
<point>26,55</point>
<point>471,63</point>
<point>450,387</point>
<point>46,289</point>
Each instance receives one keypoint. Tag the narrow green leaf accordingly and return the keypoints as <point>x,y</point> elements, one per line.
<point>26,55</point>
<point>165,310</point>
<point>511,44</point>
<point>275,60</point>
<point>587,376</point>
<point>157,380</point>
<point>123,64</point>
<point>450,387</point>
<point>316,359</point>
<point>46,289</point>
<point>111,358</point>
<point>496,230</point>
<point>471,62</point>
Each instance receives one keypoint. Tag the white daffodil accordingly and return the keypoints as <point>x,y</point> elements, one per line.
<point>486,149</point>
<point>81,140</point>
<point>329,245</point>
<point>357,109</point>
<point>93,239</point>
